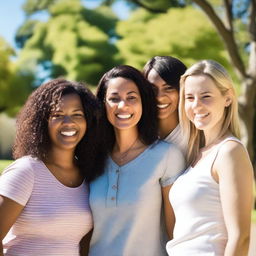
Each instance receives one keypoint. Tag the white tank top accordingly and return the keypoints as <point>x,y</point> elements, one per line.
<point>195,198</point>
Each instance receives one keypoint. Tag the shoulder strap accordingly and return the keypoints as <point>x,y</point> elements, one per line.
<point>217,149</point>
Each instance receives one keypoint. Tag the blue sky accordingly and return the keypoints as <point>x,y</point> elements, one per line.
<point>12,16</point>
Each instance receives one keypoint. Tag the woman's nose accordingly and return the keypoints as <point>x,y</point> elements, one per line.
<point>67,119</point>
<point>159,93</point>
<point>121,104</point>
<point>196,103</point>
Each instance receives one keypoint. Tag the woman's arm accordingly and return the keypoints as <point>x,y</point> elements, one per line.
<point>9,212</point>
<point>85,244</point>
<point>1,249</point>
<point>168,211</point>
<point>234,173</point>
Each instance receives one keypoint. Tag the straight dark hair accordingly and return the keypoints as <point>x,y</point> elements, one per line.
<point>168,68</point>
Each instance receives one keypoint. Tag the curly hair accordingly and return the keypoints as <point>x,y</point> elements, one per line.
<point>32,137</point>
<point>147,125</point>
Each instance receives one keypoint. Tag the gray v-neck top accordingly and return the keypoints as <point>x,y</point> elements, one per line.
<point>126,203</point>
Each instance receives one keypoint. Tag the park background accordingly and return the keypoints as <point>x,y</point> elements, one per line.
<point>82,39</point>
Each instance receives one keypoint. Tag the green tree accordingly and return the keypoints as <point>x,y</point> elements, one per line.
<point>229,17</point>
<point>15,82</point>
<point>74,42</point>
<point>144,35</point>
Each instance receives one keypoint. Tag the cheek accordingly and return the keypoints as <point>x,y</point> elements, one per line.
<point>140,108</point>
<point>187,109</point>
<point>84,127</point>
<point>175,99</point>
<point>109,112</point>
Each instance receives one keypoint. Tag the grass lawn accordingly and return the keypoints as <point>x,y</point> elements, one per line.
<point>3,164</point>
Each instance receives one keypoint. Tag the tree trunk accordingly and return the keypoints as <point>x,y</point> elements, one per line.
<point>247,114</point>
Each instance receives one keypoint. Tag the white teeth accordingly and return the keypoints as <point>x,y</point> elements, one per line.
<point>124,116</point>
<point>201,115</point>
<point>68,133</point>
<point>162,105</point>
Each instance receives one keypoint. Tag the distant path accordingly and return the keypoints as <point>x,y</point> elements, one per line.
<point>252,250</point>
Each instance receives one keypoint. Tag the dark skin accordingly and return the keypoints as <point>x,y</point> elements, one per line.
<point>10,210</point>
<point>60,160</point>
<point>85,244</point>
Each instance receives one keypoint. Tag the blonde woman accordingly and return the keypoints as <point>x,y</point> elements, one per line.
<point>212,199</point>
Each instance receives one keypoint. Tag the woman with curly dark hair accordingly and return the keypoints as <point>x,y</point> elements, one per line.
<point>127,200</point>
<point>44,207</point>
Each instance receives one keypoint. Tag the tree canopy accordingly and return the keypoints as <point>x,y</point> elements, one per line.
<point>145,35</point>
<point>74,42</point>
<point>15,82</point>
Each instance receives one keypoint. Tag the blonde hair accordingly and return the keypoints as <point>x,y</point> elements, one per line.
<point>224,83</point>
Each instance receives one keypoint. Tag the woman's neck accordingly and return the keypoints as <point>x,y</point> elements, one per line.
<point>167,125</point>
<point>61,158</point>
<point>125,139</point>
<point>212,139</point>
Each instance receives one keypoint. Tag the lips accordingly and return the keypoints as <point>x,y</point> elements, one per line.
<point>201,116</point>
<point>162,106</point>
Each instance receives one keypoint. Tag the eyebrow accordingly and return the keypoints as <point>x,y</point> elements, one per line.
<point>74,110</point>
<point>116,93</point>
<point>200,93</point>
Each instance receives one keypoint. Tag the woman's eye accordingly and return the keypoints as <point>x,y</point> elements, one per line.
<point>189,98</point>
<point>131,98</point>
<point>206,96</point>
<point>169,88</point>
<point>114,100</point>
<point>56,116</point>
<point>78,115</point>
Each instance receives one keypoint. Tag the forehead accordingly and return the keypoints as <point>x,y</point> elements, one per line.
<point>121,85</point>
<point>69,101</point>
<point>154,77</point>
<point>199,83</point>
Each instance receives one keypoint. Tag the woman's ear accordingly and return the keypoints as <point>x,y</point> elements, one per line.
<point>228,99</point>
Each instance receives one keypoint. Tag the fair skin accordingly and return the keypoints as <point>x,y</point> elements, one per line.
<point>124,110</point>
<point>67,126</point>
<point>167,103</point>
<point>232,170</point>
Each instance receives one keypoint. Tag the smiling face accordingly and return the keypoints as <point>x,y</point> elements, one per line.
<point>204,103</point>
<point>123,103</point>
<point>67,124</point>
<point>167,96</point>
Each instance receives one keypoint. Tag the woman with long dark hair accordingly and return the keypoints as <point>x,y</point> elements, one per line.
<point>128,198</point>
<point>164,73</point>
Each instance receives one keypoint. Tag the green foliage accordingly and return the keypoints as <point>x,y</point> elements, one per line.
<point>32,6</point>
<point>159,5</point>
<point>4,164</point>
<point>15,82</point>
<point>7,135</point>
<point>74,42</point>
<point>25,32</point>
<point>183,33</point>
